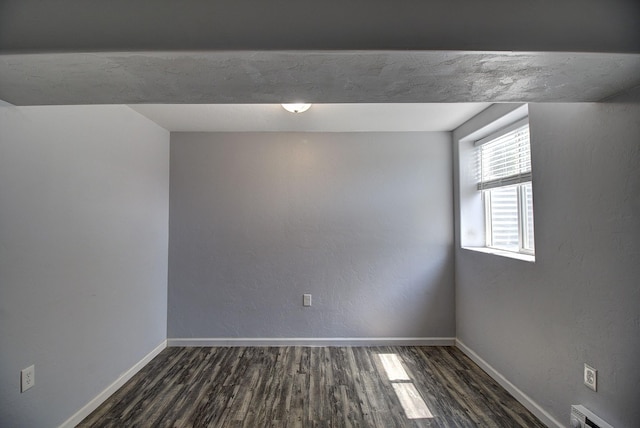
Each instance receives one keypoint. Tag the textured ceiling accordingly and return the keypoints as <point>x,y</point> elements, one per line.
<point>314,76</point>
<point>320,118</point>
<point>333,51</point>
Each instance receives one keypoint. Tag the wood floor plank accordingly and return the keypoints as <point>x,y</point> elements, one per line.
<point>311,387</point>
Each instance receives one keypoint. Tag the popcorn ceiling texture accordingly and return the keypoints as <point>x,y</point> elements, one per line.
<point>319,77</point>
<point>362,221</point>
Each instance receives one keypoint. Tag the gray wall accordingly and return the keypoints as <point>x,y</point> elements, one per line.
<point>537,323</point>
<point>363,221</point>
<point>83,253</point>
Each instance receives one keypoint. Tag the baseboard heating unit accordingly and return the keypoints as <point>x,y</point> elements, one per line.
<point>582,417</point>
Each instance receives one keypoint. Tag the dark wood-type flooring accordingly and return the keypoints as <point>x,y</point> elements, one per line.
<point>311,387</point>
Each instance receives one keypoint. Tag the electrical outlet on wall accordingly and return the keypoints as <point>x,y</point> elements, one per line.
<point>306,299</point>
<point>27,378</point>
<point>590,377</point>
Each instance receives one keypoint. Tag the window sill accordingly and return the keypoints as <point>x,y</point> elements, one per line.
<point>518,256</point>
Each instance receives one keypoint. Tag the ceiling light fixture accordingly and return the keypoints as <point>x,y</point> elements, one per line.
<point>296,108</point>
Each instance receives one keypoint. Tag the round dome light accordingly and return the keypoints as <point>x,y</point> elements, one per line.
<point>296,108</point>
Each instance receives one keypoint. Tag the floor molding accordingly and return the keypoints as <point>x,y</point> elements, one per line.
<point>322,341</point>
<point>523,398</point>
<point>100,398</point>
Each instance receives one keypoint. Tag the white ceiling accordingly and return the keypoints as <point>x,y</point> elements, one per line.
<point>319,118</point>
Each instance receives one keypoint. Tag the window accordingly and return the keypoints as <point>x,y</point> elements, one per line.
<point>503,165</point>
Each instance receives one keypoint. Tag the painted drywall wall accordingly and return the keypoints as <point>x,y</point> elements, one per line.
<point>362,221</point>
<point>83,253</point>
<point>538,323</point>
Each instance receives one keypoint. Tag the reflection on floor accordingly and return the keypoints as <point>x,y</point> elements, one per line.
<point>312,386</point>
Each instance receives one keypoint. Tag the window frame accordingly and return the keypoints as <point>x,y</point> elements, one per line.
<point>519,181</point>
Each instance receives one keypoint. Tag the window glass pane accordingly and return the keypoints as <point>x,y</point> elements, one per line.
<point>503,215</point>
<point>527,194</point>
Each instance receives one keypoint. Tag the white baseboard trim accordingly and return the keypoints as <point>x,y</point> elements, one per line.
<point>523,398</point>
<point>100,398</point>
<point>312,341</point>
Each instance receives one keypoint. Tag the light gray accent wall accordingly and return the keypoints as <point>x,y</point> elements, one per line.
<point>83,253</point>
<point>489,25</point>
<point>362,221</point>
<point>538,323</point>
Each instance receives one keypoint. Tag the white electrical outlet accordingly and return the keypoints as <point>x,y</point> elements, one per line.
<point>590,377</point>
<point>306,299</point>
<point>27,378</point>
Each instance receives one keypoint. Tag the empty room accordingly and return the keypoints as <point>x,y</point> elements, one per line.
<point>363,213</point>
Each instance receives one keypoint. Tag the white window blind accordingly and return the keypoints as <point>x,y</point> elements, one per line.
<point>504,158</point>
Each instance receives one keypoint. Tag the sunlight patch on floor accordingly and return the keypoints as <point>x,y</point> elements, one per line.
<point>412,403</point>
<point>393,366</point>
